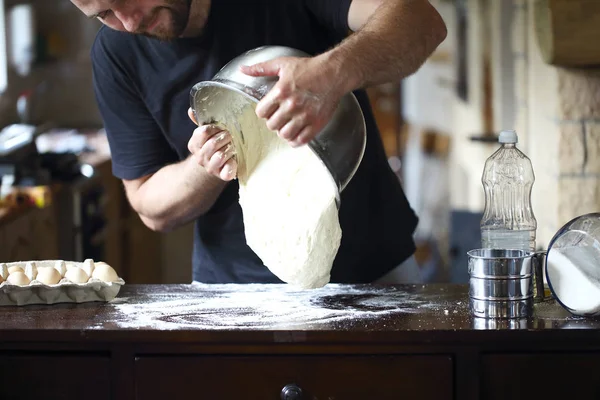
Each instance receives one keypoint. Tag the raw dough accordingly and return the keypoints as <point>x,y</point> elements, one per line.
<point>288,199</point>
<point>14,268</point>
<point>76,275</point>
<point>104,272</point>
<point>48,276</point>
<point>18,278</point>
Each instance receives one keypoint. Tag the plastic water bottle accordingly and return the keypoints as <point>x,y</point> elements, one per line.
<point>508,221</point>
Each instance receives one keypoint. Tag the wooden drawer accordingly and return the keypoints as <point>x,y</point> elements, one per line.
<point>540,376</point>
<point>54,376</point>
<point>319,377</point>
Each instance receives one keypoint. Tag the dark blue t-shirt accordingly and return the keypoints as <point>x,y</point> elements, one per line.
<point>142,88</point>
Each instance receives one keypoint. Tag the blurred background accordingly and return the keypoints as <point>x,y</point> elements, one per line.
<point>528,65</point>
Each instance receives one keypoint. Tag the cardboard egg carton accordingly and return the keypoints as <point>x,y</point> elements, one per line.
<point>84,286</point>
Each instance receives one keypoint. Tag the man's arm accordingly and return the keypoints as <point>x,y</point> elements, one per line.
<point>179,193</point>
<point>164,192</point>
<point>174,195</point>
<point>393,39</point>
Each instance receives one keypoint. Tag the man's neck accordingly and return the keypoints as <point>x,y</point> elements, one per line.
<point>199,12</point>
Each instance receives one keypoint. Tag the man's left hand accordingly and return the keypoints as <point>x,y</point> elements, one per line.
<point>304,99</point>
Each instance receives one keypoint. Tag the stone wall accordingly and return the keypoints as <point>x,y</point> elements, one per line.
<point>579,146</point>
<point>559,109</point>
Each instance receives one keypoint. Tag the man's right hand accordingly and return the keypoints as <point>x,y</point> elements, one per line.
<point>212,148</point>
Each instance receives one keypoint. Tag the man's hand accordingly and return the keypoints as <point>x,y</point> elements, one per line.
<point>304,99</point>
<point>212,148</point>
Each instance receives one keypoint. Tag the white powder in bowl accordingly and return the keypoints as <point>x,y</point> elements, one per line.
<point>574,273</point>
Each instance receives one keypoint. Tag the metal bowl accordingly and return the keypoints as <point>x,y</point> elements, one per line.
<point>340,145</point>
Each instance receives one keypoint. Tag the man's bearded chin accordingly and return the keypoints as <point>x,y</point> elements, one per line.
<point>179,17</point>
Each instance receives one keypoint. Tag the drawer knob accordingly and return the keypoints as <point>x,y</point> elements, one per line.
<point>291,392</point>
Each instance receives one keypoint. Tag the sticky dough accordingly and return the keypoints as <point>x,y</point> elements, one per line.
<point>288,200</point>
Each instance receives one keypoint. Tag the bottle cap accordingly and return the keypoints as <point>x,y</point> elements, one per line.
<point>508,136</point>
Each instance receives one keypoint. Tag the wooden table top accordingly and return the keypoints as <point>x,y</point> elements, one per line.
<point>432,313</point>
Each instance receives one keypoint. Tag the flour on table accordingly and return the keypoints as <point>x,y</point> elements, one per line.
<point>288,200</point>
<point>262,307</point>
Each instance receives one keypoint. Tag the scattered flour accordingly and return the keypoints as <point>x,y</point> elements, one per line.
<point>262,307</point>
<point>574,273</point>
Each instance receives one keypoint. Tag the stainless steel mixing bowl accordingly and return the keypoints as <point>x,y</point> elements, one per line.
<point>340,145</point>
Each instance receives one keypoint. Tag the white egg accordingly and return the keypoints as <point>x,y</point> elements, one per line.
<point>105,272</point>
<point>15,268</point>
<point>76,275</point>
<point>48,276</point>
<point>18,278</point>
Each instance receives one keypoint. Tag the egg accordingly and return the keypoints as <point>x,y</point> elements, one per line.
<point>76,275</point>
<point>18,278</point>
<point>15,268</point>
<point>48,276</point>
<point>104,272</point>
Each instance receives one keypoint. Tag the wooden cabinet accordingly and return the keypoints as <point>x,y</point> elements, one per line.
<point>540,376</point>
<point>105,351</point>
<point>295,377</point>
<point>54,376</point>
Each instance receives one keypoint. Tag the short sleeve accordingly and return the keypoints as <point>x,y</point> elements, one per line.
<point>332,14</point>
<point>137,144</point>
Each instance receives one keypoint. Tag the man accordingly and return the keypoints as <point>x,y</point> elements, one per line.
<point>151,52</point>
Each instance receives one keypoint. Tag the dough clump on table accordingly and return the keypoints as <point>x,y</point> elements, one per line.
<point>18,278</point>
<point>48,276</point>
<point>76,275</point>
<point>104,272</point>
<point>288,200</point>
